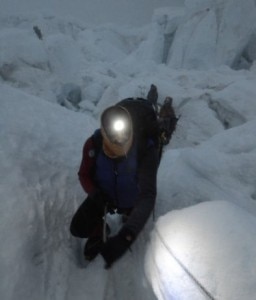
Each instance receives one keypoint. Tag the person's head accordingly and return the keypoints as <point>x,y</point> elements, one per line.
<point>168,100</point>
<point>117,132</point>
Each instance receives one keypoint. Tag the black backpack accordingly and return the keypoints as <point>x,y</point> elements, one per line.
<point>144,119</point>
<point>148,127</point>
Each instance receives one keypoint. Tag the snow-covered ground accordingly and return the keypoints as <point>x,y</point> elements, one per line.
<point>53,89</point>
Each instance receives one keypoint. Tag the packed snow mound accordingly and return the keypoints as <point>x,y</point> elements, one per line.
<point>16,45</point>
<point>212,33</point>
<point>226,158</point>
<point>200,251</point>
<point>164,23</point>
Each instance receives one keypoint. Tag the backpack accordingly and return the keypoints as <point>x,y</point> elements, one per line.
<point>149,126</point>
<point>144,119</point>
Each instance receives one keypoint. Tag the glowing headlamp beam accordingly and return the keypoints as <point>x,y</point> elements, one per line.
<point>119,125</point>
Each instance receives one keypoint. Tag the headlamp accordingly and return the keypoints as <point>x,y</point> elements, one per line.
<point>119,132</point>
<point>116,123</point>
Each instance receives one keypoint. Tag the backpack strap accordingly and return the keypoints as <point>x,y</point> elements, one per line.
<point>97,141</point>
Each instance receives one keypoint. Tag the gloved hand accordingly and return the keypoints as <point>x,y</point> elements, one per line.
<point>116,246</point>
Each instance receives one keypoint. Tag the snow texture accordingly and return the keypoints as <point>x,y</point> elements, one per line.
<point>53,90</point>
<point>212,33</point>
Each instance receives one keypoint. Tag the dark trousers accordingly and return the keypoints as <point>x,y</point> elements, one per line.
<point>88,219</point>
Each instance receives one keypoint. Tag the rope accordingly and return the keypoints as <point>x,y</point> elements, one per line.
<point>201,287</point>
